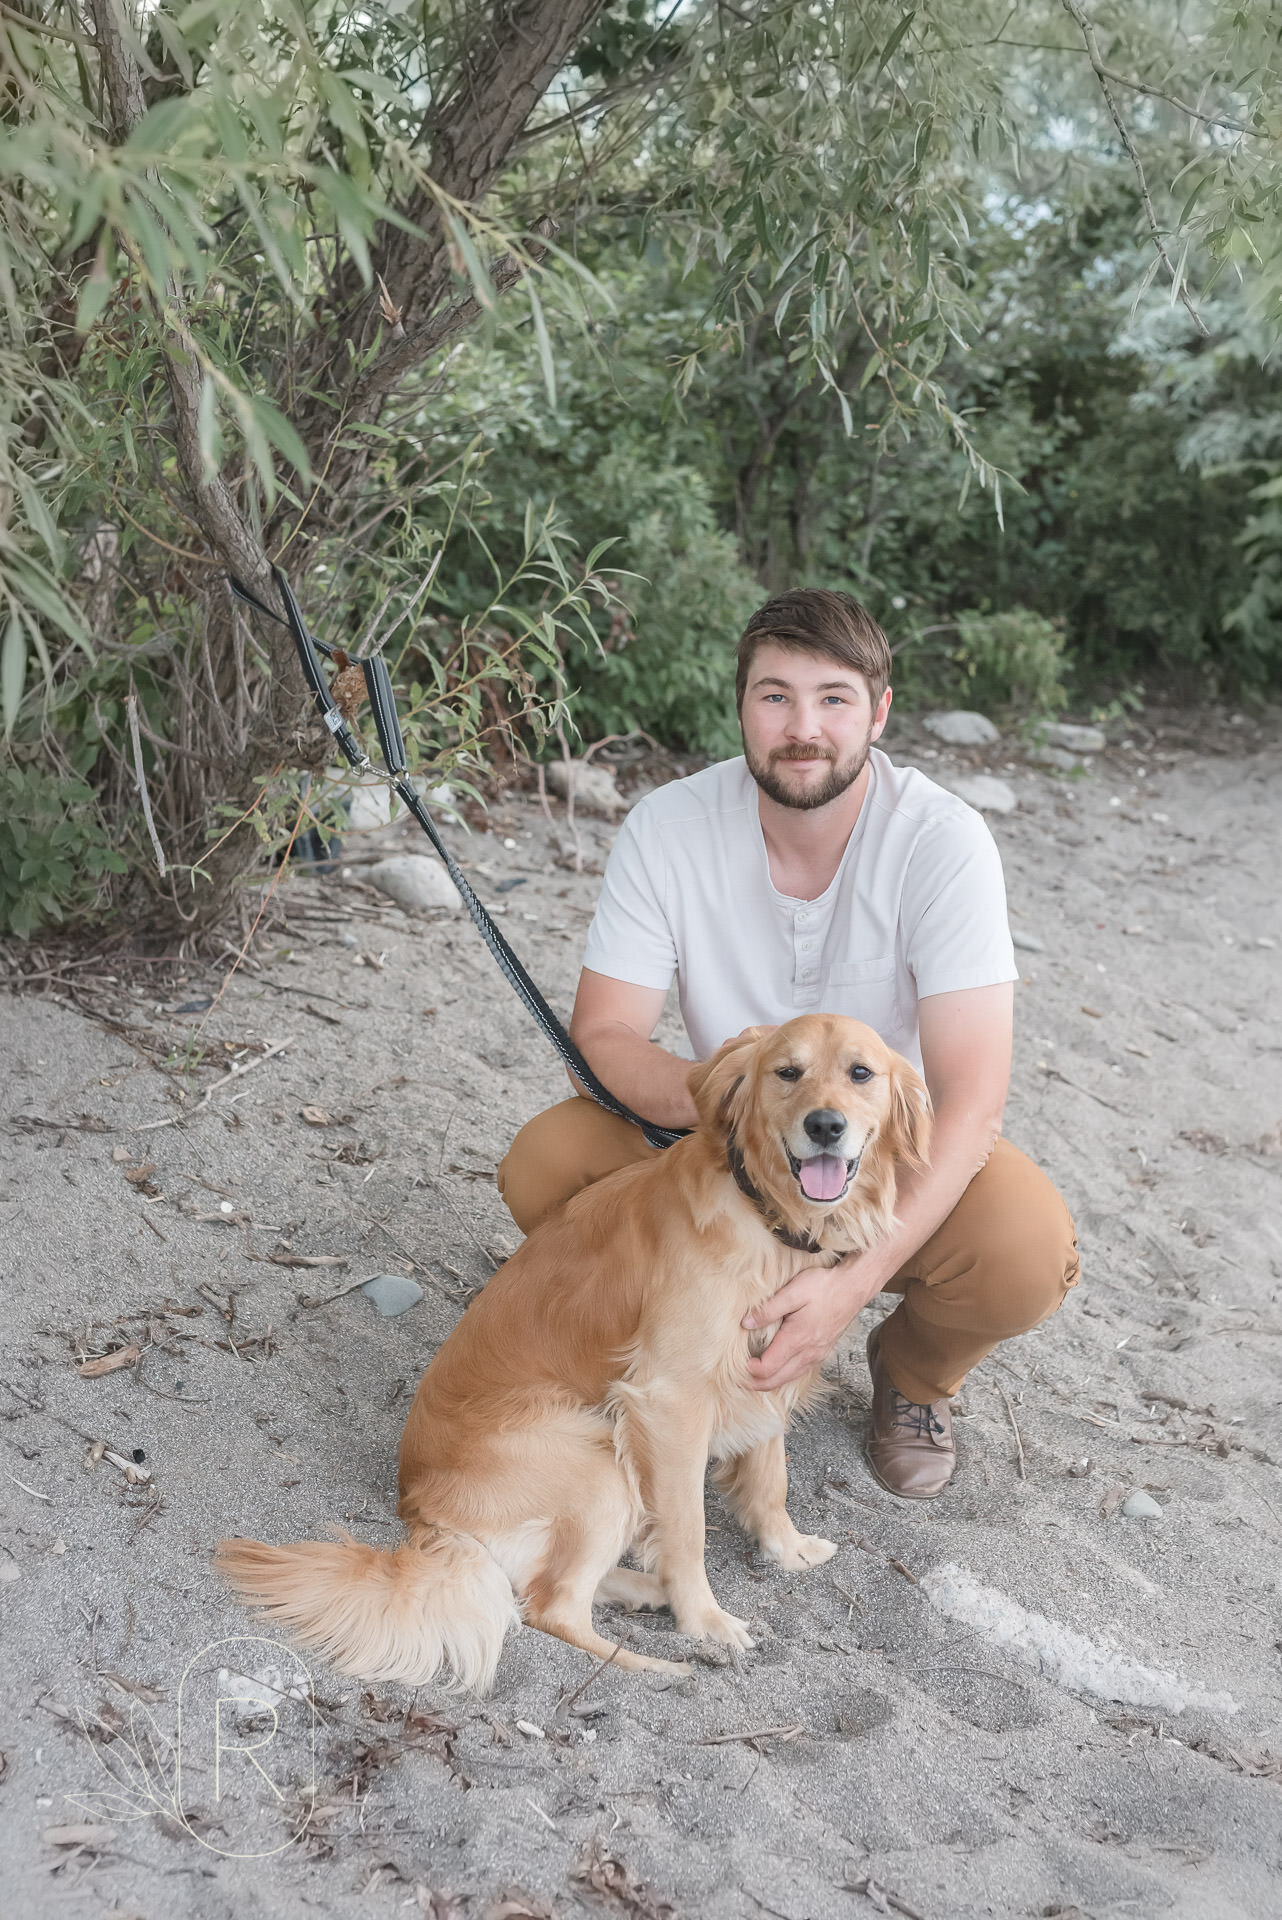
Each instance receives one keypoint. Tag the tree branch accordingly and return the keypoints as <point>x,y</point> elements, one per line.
<point>505,71</point>
<point>402,355</point>
<point>1101,74</point>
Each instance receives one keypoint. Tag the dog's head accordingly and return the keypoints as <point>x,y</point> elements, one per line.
<point>821,1110</point>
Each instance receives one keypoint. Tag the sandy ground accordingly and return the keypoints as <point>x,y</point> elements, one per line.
<point>875,1754</point>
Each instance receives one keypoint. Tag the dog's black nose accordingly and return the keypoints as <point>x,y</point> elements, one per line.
<point>824,1126</point>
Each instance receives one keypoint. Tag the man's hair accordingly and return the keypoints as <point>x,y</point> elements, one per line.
<point>812,620</point>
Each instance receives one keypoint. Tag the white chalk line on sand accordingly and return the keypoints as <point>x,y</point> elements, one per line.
<point>1058,1652</point>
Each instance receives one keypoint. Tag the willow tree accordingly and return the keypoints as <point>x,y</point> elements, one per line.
<point>242,239</point>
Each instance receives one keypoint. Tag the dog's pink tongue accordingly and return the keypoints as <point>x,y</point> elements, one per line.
<point>823,1177</point>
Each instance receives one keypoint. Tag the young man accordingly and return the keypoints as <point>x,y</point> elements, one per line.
<point>813,875</point>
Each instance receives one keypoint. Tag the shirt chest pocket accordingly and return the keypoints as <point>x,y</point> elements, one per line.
<point>867,990</point>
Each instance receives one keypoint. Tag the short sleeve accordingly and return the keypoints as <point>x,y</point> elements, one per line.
<point>631,936</point>
<point>953,912</point>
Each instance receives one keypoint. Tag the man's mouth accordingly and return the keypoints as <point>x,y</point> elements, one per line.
<point>825,1177</point>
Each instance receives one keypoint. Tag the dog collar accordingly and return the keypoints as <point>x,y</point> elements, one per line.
<point>734,1160</point>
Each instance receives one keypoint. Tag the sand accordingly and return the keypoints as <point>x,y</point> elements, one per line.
<point>892,1746</point>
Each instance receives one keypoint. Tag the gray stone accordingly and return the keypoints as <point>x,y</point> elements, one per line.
<point>1027,942</point>
<point>415,882</point>
<point>961,728</point>
<point>392,1293</point>
<point>1056,758</point>
<point>1141,1506</point>
<point>594,787</point>
<point>983,791</point>
<point>1062,733</point>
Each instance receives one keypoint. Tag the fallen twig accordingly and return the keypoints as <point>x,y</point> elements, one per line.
<point>881,1896</point>
<point>567,1700</point>
<point>238,1072</point>
<point>33,1491</point>
<point>1010,1411</point>
<point>752,1734</point>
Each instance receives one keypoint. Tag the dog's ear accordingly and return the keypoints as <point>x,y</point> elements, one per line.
<point>717,1083</point>
<point>908,1128</point>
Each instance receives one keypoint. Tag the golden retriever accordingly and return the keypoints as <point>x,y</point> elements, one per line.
<point>572,1413</point>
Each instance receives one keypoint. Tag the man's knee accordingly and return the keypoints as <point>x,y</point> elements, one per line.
<point>1006,1258</point>
<point>561,1151</point>
<point>1025,1255</point>
<point>533,1175</point>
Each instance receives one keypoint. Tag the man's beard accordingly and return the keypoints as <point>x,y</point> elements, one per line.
<point>841,775</point>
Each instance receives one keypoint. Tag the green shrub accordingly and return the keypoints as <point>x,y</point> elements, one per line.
<point>669,668</point>
<point>52,853</point>
<point>1013,662</point>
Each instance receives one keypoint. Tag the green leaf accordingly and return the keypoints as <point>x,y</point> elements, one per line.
<point>13,671</point>
<point>888,51</point>
<point>541,336</point>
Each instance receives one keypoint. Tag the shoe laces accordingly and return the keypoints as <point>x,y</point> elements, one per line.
<point>918,1417</point>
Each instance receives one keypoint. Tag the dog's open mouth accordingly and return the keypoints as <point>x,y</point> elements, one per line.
<point>825,1177</point>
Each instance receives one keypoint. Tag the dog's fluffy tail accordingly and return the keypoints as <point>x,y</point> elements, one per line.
<point>402,1614</point>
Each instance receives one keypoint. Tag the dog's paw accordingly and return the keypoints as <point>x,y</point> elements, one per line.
<point>714,1623</point>
<point>801,1550</point>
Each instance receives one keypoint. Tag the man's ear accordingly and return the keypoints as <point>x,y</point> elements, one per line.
<point>908,1129</point>
<point>717,1084</point>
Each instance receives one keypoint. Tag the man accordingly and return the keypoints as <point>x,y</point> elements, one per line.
<point>813,875</point>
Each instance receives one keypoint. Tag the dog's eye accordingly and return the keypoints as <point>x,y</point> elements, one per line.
<point>788,1073</point>
<point>860,1074</point>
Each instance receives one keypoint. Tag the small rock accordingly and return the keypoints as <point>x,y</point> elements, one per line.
<point>1141,1506</point>
<point>392,1293</point>
<point>983,791</point>
<point>350,940</point>
<point>1027,942</point>
<point>962,729</point>
<point>413,882</point>
<point>9,1571</point>
<point>594,787</point>
<point>1056,758</point>
<point>1061,733</point>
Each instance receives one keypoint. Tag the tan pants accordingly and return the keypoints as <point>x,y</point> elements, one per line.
<point>1001,1262</point>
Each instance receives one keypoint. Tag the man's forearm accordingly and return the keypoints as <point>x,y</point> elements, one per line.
<point>960,1144</point>
<point>645,1077</point>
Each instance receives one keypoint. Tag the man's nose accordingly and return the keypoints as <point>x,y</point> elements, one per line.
<point>824,1126</point>
<point>804,724</point>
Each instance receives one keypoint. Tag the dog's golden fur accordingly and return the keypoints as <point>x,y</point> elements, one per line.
<point>573,1411</point>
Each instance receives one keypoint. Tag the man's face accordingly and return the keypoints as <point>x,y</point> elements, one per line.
<point>808,722</point>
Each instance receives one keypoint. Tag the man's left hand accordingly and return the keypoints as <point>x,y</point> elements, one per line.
<point>816,1307</point>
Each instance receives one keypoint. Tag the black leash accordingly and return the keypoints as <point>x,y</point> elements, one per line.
<point>378,687</point>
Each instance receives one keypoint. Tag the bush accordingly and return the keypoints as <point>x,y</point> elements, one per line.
<point>1012,662</point>
<point>53,854</point>
<point>668,668</point>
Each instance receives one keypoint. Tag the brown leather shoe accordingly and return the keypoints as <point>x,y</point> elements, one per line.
<point>909,1447</point>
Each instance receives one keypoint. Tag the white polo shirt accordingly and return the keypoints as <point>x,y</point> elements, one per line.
<point>917,906</point>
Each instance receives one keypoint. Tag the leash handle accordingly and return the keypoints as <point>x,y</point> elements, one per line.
<point>378,685</point>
